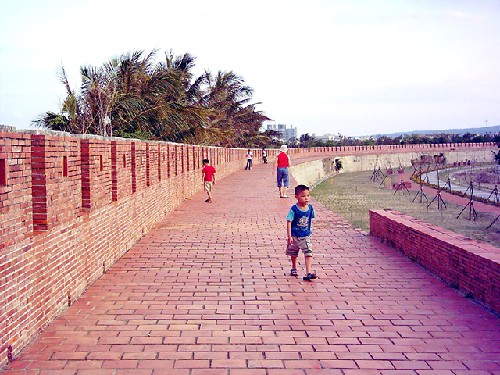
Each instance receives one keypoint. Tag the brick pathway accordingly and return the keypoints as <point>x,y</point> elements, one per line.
<point>208,293</point>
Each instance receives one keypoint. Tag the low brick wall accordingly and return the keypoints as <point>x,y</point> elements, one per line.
<point>468,265</point>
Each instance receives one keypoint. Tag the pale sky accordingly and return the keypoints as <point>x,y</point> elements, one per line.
<point>354,67</point>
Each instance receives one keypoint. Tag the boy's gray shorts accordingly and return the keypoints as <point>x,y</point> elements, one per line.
<point>300,243</point>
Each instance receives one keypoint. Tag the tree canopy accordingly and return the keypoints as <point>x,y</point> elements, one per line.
<point>134,95</point>
<point>307,140</point>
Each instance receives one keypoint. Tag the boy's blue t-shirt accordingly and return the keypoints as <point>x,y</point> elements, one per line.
<point>301,220</point>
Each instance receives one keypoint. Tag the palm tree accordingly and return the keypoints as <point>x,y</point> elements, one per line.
<point>230,115</point>
<point>131,95</point>
<point>183,117</point>
<point>69,118</point>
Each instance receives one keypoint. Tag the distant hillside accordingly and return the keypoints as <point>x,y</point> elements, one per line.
<point>480,131</point>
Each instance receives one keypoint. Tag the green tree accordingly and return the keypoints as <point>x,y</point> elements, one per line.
<point>231,119</point>
<point>134,96</point>
<point>306,140</point>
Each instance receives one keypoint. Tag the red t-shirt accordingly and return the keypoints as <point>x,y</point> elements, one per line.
<point>208,172</point>
<point>282,160</point>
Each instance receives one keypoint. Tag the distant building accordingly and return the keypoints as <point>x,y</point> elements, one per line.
<point>328,137</point>
<point>285,133</point>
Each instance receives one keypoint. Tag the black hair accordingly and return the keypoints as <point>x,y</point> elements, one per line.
<point>206,161</point>
<point>300,188</point>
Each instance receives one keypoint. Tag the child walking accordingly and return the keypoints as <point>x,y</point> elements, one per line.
<point>208,175</point>
<point>298,228</point>
<point>249,160</point>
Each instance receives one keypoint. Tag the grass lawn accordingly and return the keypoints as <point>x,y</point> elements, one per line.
<point>352,195</point>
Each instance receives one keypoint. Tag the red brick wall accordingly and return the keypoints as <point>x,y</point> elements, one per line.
<point>71,206</point>
<point>468,265</point>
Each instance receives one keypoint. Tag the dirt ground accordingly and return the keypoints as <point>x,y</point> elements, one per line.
<point>352,195</point>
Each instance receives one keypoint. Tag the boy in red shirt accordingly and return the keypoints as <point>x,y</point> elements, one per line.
<point>208,174</point>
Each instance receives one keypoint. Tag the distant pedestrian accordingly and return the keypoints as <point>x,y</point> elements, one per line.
<point>208,174</point>
<point>298,230</point>
<point>264,155</point>
<point>282,163</point>
<point>249,160</point>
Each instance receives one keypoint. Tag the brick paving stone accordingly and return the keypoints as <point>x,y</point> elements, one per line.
<point>362,372</point>
<point>339,364</point>
<point>132,372</point>
<point>210,372</point>
<point>208,292</point>
<point>349,355</point>
<point>251,372</point>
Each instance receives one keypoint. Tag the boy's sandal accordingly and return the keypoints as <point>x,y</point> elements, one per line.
<point>294,272</point>
<point>310,276</point>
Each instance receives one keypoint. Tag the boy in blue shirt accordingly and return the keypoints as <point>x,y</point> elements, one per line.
<point>298,228</point>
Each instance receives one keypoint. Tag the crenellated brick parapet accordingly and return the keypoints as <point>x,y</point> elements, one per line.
<point>72,205</point>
